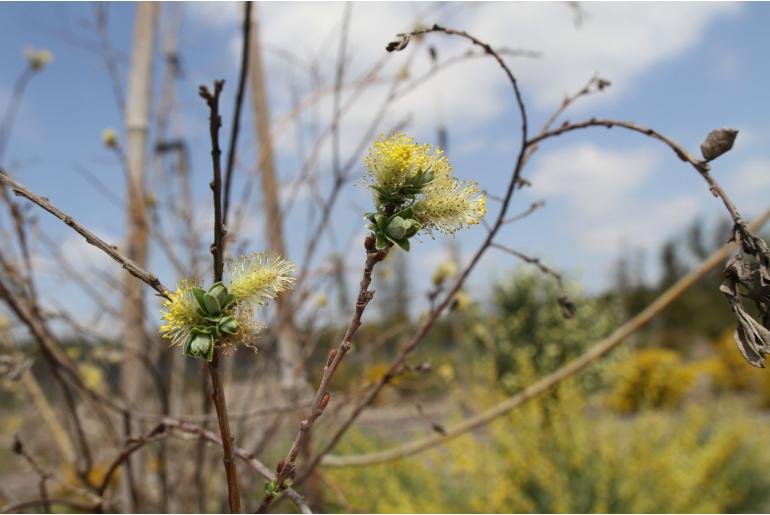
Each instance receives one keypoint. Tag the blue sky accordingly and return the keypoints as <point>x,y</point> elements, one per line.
<point>683,69</point>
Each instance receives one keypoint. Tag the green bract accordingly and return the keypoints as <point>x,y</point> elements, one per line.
<point>397,228</point>
<point>213,306</point>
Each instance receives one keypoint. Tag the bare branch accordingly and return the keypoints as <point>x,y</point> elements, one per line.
<point>127,264</point>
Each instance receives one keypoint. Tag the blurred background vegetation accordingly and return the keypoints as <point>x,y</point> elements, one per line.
<point>672,421</point>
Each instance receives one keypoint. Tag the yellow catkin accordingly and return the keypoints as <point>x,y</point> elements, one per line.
<point>395,159</point>
<point>446,204</point>
<point>449,205</point>
<point>179,313</point>
<point>258,278</point>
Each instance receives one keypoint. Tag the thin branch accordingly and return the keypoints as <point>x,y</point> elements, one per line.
<point>18,448</point>
<point>532,261</point>
<point>286,468</point>
<point>531,209</point>
<point>700,166</point>
<point>217,389</point>
<point>235,129</point>
<point>128,265</point>
<point>243,455</point>
<point>134,445</point>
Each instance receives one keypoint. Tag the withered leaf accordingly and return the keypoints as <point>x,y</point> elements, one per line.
<point>747,271</point>
<point>717,143</point>
<point>399,43</point>
<point>752,338</point>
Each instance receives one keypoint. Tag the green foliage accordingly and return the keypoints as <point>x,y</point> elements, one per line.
<point>528,320</point>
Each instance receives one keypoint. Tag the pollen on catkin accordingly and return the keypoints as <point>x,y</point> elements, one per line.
<point>415,192</point>
<point>223,315</point>
<point>395,159</point>
<point>179,313</point>
<point>448,205</point>
<point>258,278</point>
<point>38,58</point>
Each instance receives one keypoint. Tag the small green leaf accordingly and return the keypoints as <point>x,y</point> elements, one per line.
<point>229,300</point>
<point>219,291</point>
<point>228,325</point>
<point>212,306</point>
<point>199,345</point>
<point>407,213</point>
<point>404,244</point>
<point>396,229</point>
<point>382,241</point>
<point>198,294</point>
<point>381,221</point>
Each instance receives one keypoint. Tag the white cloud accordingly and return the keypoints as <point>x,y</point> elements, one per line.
<point>594,181</point>
<point>601,189</point>
<point>619,40</point>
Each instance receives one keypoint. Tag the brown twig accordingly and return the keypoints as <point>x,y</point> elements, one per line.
<point>133,446</point>
<point>532,261</point>
<point>286,468</point>
<point>127,264</point>
<point>215,372</point>
<point>531,209</point>
<point>700,166</point>
<point>235,129</point>
<point>18,448</point>
<point>242,454</point>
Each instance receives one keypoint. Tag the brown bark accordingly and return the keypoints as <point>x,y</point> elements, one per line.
<point>293,378</point>
<point>133,374</point>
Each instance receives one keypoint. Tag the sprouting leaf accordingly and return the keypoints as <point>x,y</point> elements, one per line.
<point>404,244</point>
<point>213,308</point>
<point>717,143</point>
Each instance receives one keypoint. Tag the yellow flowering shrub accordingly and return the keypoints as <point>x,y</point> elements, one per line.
<point>655,378</point>
<point>558,455</point>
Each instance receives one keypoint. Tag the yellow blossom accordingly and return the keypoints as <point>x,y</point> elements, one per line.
<point>460,302</point>
<point>447,205</point>
<point>395,159</point>
<point>444,271</point>
<point>38,59</point>
<point>258,278</point>
<point>110,138</point>
<point>180,314</point>
<point>415,191</point>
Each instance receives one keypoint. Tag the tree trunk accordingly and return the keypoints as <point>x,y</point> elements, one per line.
<point>133,374</point>
<point>293,379</point>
